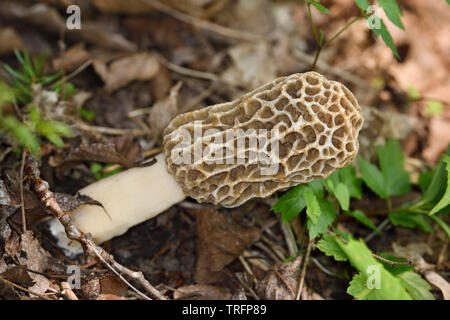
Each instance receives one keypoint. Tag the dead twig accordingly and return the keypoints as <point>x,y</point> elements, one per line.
<point>22,203</point>
<point>47,198</point>
<point>67,291</point>
<point>25,289</point>
<point>303,274</point>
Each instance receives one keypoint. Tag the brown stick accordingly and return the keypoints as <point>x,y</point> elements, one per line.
<point>47,198</point>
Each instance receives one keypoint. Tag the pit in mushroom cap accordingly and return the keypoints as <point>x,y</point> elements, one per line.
<point>315,122</point>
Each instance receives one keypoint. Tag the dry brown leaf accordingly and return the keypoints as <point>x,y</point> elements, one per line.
<point>252,65</point>
<point>9,40</point>
<point>219,241</point>
<point>163,112</point>
<point>113,285</point>
<point>49,20</point>
<point>34,257</point>
<point>71,58</point>
<point>281,283</point>
<point>141,66</point>
<point>18,275</point>
<point>202,292</point>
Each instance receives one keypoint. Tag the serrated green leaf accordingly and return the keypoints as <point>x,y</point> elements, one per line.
<point>354,184</point>
<point>416,286</point>
<point>445,200</point>
<point>325,219</point>
<point>312,205</point>
<point>320,7</point>
<point>411,220</point>
<point>361,217</point>
<point>358,288</point>
<point>393,12</point>
<point>390,287</point>
<point>363,4</point>
<point>291,203</point>
<point>330,247</point>
<point>396,180</point>
<point>386,36</point>
<point>372,177</point>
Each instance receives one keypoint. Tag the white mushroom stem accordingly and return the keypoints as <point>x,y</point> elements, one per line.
<point>129,197</point>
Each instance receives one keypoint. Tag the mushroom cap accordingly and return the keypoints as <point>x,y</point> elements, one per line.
<point>292,130</point>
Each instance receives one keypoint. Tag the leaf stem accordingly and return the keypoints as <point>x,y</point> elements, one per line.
<point>316,36</point>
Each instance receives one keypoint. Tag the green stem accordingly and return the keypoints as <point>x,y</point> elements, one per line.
<point>342,30</point>
<point>316,36</point>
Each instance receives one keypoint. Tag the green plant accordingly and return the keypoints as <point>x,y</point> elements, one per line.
<point>326,200</point>
<point>26,133</point>
<point>390,7</point>
<point>32,72</point>
<point>103,171</point>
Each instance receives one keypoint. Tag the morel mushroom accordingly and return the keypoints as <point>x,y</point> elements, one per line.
<point>292,130</point>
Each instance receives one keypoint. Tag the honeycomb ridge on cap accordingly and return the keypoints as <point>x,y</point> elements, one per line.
<point>318,122</point>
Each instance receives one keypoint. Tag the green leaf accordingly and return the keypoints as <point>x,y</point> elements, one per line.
<point>330,247</point>
<point>386,36</point>
<point>361,217</point>
<point>437,185</point>
<point>321,34</point>
<point>324,220</point>
<point>343,195</point>
<point>348,177</point>
<point>312,205</point>
<point>87,114</point>
<point>372,177</point>
<point>425,179</point>
<point>448,2</point>
<point>21,133</point>
<point>445,200</point>
<point>320,7</point>
<point>291,203</point>
<point>363,4</point>
<point>6,94</point>
<point>417,287</point>
<point>317,187</point>
<point>358,288</point>
<point>393,12</point>
<point>434,107</point>
<point>16,74</point>
<point>442,224</point>
<point>397,269</point>
<point>411,220</point>
<point>386,285</point>
<point>391,160</point>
